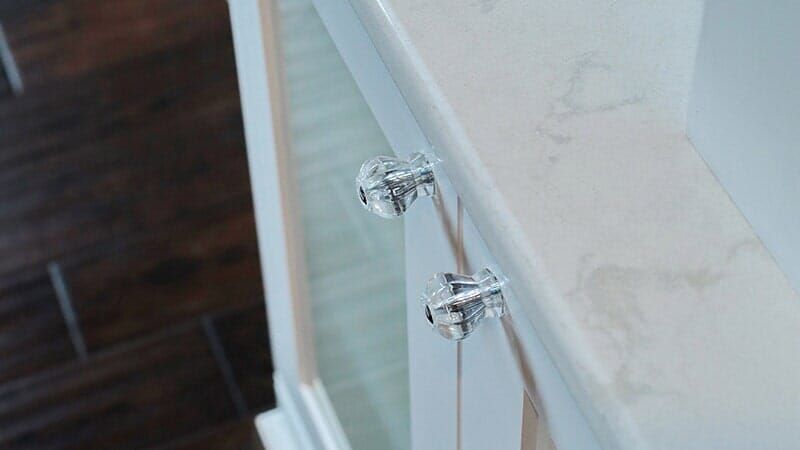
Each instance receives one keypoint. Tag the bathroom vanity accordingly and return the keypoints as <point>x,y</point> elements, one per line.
<point>489,224</point>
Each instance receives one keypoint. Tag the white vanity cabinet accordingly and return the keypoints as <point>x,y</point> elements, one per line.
<point>566,271</point>
<point>357,363</point>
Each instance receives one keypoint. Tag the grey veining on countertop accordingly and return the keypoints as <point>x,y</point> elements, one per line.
<point>562,124</point>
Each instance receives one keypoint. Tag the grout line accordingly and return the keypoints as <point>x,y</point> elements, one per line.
<point>225,367</point>
<point>10,65</point>
<point>115,349</point>
<point>67,310</point>
<point>109,352</point>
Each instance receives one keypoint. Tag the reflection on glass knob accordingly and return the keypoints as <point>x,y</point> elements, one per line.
<point>388,186</point>
<point>455,304</point>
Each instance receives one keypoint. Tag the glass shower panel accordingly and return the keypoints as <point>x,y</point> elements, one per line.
<point>355,260</point>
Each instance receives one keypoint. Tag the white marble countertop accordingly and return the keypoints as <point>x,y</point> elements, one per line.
<point>563,126</point>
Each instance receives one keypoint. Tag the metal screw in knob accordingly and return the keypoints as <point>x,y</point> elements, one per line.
<point>455,304</point>
<point>388,186</point>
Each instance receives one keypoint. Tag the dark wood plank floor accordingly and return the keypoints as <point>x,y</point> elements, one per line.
<point>33,335</point>
<point>131,307</point>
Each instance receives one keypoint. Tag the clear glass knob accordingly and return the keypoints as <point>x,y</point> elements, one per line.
<point>388,186</point>
<point>455,304</point>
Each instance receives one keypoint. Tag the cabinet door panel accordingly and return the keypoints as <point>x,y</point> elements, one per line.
<point>504,359</point>
<point>431,246</point>
<point>349,263</point>
<point>492,390</point>
<point>431,234</point>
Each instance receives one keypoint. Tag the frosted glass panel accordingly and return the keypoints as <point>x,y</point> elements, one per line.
<point>355,260</point>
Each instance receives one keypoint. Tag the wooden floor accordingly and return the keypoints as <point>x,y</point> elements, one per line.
<point>131,307</point>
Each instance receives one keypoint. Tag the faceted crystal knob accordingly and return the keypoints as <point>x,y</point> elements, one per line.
<point>455,304</point>
<point>388,186</point>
